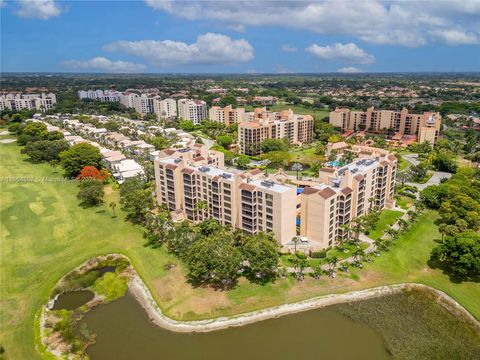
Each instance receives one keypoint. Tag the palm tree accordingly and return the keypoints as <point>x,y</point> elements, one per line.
<point>392,233</point>
<point>201,206</point>
<point>112,206</point>
<point>358,227</point>
<point>358,255</point>
<point>295,242</point>
<point>54,164</point>
<point>403,224</point>
<point>332,262</point>
<point>317,272</point>
<point>412,215</point>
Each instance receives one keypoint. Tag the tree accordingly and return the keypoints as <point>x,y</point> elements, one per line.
<point>160,142</point>
<point>214,260</point>
<point>35,129</point>
<point>261,253</point>
<point>403,177</point>
<point>187,125</point>
<point>78,156</point>
<point>418,172</point>
<point>225,140</point>
<point>45,150</point>
<point>299,264</point>
<point>200,207</point>
<point>92,173</point>
<point>269,145</point>
<point>91,193</point>
<point>55,135</point>
<point>54,164</point>
<point>242,161</point>
<point>459,254</point>
<point>136,200</point>
<point>158,228</point>
<point>278,158</point>
<point>112,206</point>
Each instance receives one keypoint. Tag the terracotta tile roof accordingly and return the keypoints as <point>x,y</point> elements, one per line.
<point>256,171</point>
<point>310,190</point>
<point>358,177</point>
<point>346,191</point>
<point>171,166</point>
<point>248,187</point>
<point>200,158</point>
<point>384,163</point>
<point>188,171</point>
<point>215,178</point>
<point>327,193</point>
<point>198,145</point>
<point>392,157</point>
<point>169,151</point>
<point>326,169</point>
<point>366,152</point>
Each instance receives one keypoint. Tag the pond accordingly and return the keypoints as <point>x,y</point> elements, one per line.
<point>125,332</point>
<point>72,300</point>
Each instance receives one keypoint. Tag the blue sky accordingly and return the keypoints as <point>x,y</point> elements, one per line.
<point>239,36</point>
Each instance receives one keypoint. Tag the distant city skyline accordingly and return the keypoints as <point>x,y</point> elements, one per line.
<point>240,36</point>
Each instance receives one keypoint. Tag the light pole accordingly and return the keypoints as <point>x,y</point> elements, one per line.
<point>297,167</point>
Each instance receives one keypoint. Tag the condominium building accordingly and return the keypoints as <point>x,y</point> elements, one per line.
<point>345,193</point>
<point>18,101</point>
<point>193,110</point>
<point>100,95</point>
<point>193,188</point>
<point>226,115</point>
<point>425,126</point>
<point>144,104</point>
<point>261,124</point>
<point>165,109</point>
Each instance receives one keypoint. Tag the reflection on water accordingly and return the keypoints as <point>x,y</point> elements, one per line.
<point>125,332</point>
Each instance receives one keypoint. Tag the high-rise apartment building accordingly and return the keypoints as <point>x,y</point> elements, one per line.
<point>345,193</point>
<point>226,115</point>
<point>18,101</point>
<point>261,124</point>
<point>193,110</point>
<point>165,109</point>
<point>425,126</point>
<point>189,184</point>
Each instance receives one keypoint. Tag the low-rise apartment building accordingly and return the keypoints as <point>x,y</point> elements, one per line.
<point>227,115</point>
<point>193,110</point>
<point>261,124</point>
<point>18,101</point>
<point>425,126</point>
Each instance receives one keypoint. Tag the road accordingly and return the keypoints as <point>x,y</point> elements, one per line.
<point>434,180</point>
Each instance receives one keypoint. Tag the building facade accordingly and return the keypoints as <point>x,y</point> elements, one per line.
<point>165,109</point>
<point>425,126</point>
<point>18,101</point>
<point>226,115</point>
<point>261,124</point>
<point>193,110</point>
<point>346,193</point>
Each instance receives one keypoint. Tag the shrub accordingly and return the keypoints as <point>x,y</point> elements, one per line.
<point>319,254</point>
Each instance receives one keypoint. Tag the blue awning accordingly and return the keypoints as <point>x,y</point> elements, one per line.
<point>299,190</point>
<point>298,221</point>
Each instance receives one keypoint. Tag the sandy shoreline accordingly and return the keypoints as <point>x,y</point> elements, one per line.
<point>140,291</point>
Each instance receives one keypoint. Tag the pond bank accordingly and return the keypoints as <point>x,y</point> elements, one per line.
<point>140,291</point>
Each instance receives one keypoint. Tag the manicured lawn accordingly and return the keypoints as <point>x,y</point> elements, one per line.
<point>387,218</point>
<point>402,163</point>
<point>44,234</point>
<point>405,202</point>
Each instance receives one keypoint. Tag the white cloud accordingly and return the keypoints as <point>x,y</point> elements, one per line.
<point>349,53</point>
<point>207,50</point>
<point>456,37</point>
<point>37,9</point>
<point>396,22</point>
<point>104,65</point>
<point>289,48</point>
<point>350,70</point>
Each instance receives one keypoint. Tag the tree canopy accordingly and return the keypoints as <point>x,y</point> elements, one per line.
<point>78,156</point>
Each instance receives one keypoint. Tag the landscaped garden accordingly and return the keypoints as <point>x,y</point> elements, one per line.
<point>45,234</point>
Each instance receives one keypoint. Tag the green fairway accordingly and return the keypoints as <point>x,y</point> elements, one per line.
<point>387,218</point>
<point>45,234</point>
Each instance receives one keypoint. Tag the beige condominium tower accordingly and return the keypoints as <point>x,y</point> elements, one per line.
<point>425,126</point>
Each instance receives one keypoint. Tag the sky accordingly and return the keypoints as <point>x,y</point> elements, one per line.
<point>228,36</point>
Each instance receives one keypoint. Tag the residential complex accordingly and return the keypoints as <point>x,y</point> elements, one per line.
<point>193,110</point>
<point>144,103</point>
<point>261,124</point>
<point>193,184</point>
<point>226,115</point>
<point>345,193</point>
<point>19,101</point>
<point>425,126</point>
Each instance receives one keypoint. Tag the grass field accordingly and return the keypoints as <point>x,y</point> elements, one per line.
<point>387,218</point>
<point>405,202</point>
<point>44,234</point>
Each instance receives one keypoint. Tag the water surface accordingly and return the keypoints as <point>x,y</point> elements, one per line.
<point>125,332</point>
<point>73,299</point>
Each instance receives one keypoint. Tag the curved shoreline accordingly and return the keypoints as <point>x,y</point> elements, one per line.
<point>141,292</point>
